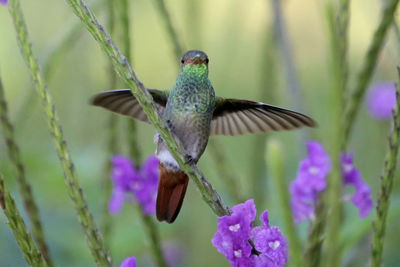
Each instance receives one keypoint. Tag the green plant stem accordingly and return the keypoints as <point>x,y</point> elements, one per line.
<point>94,238</point>
<point>368,68</point>
<point>225,172</point>
<point>134,150</point>
<point>106,223</point>
<point>338,28</point>
<point>154,235</point>
<point>174,36</point>
<point>17,225</point>
<point>386,184</point>
<point>316,236</point>
<point>24,187</point>
<point>275,163</point>
<point>126,72</point>
<point>112,141</point>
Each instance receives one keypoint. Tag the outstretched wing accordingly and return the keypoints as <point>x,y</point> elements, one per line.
<point>123,102</point>
<point>237,117</point>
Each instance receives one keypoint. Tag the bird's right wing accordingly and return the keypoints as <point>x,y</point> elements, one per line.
<point>123,102</point>
<point>238,117</point>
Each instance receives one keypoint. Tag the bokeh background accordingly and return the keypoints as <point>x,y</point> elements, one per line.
<point>245,62</point>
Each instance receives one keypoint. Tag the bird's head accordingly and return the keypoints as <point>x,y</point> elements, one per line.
<point>194,60</point>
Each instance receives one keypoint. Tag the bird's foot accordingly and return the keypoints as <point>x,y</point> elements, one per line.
<point>169,124</point>
<point>189,159</point>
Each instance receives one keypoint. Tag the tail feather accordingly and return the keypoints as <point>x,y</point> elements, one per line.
<point>171,192</point>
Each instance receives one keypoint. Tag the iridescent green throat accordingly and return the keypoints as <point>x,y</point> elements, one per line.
<point>198,70</point>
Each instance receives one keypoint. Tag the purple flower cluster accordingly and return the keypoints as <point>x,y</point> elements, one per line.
<point>352,176</point>
<point>141,183</point>
<point>311,180</point>
<point>381,100</point>
<point>128,262</point>
<point>3,2</point>
<point>235,231</point>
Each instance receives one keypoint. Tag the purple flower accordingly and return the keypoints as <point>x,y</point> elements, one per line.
<point>270,242</point>
<point>352,176</point>
<point>381,100</point>
<point>235,231</point>
<point>128,262</point>
<point>3,2</point>
<point>142,184</point>
<point>310,180</point>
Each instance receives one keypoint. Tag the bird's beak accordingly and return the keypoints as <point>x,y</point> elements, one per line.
<point>196,60</point>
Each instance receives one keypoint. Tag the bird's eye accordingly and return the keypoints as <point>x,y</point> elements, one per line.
<point>207,60</point>
<point>182,61</point>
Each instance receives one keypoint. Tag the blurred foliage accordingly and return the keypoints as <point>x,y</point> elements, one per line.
<point>232,33</point>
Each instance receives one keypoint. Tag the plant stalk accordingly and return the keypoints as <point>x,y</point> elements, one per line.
<point>17,225</point>
<point>387,180</point>
<point>24,186</point>
<point>93,236</point>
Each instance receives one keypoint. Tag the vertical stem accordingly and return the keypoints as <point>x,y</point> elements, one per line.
<point>154,235</point>
<point>94,238</point>
<point>106,223</point>
<point>338,28</point>
<point>386,184</point>
<point>275,164</point>
<point>17,225</point>
<point>134,150</point>
<point>112,143</point>
<point>316,236</point>
<point>23,184</point>
<point>365,75</point>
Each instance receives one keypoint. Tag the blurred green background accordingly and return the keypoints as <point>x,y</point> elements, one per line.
<point>236,35</point>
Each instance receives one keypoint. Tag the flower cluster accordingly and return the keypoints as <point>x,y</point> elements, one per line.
<point>311,180</point>
<point>352,176</point>
<point>141,183</point>
<point>128,262</point>
<point>381,100</point>
<point>3,2</point>
<point>235,231</point>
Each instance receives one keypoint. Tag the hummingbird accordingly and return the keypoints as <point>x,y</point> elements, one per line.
<point>193,113</point>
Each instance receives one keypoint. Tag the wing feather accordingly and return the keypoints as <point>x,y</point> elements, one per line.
<point>237,117</point>
<point>123,102</point>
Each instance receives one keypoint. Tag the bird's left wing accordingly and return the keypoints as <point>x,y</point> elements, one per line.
<point>123,102</point>
<point>238,117</point>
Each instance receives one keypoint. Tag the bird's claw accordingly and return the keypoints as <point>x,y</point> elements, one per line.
<point>189,159</point>
<point>169,124</point>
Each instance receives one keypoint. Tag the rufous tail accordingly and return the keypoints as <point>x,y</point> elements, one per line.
<point>171,192</point>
